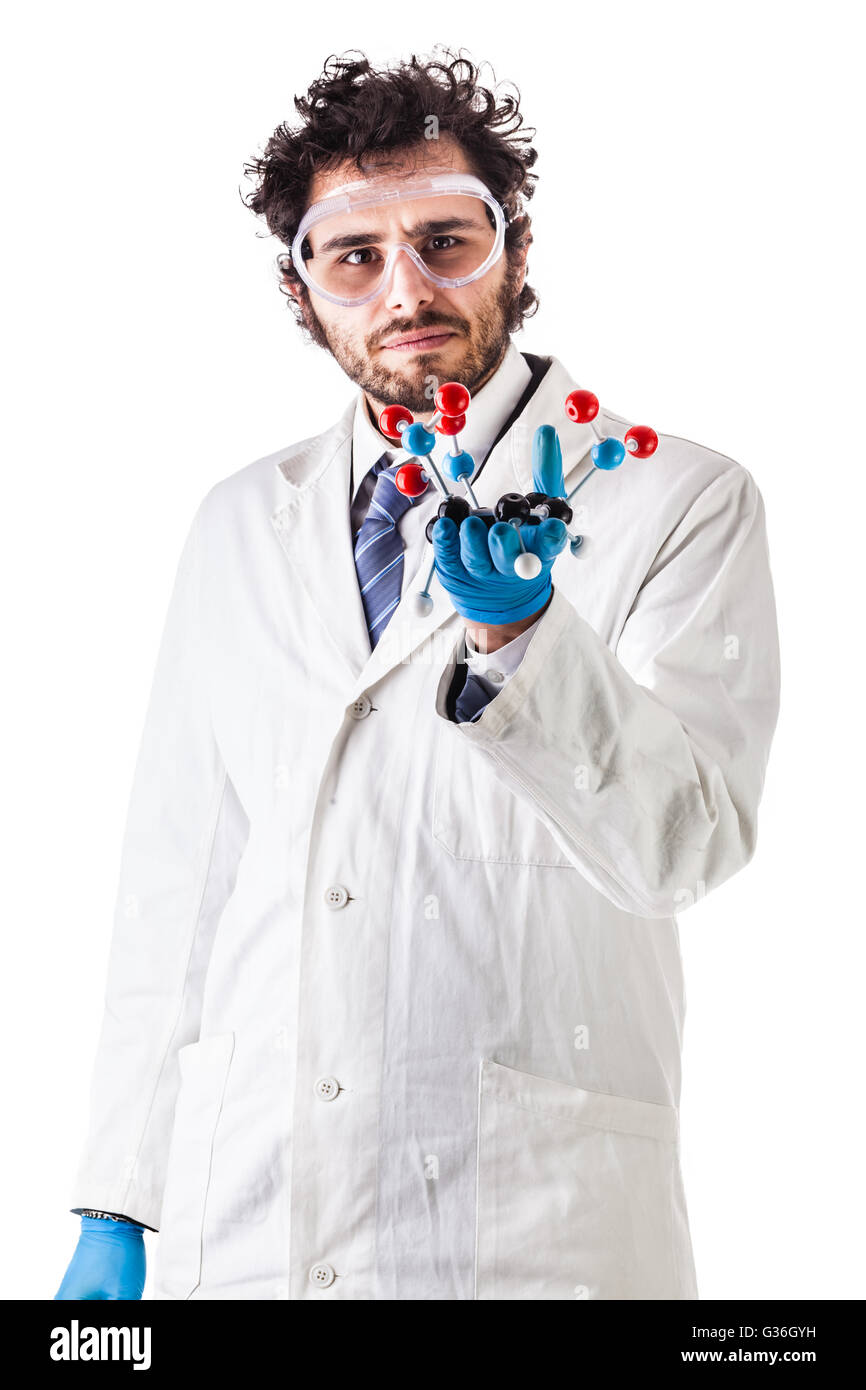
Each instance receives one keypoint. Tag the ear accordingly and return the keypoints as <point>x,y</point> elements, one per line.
<point>289,285</point>
<point>523,252</point>
<point>296,291</point>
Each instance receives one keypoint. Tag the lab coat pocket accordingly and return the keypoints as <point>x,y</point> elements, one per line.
<point>577,1193</point>
<point>476,816</point>
<point>204,1067</point>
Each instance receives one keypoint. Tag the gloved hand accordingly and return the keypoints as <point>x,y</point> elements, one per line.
<point>476,565</point>
<point>109,1261</point>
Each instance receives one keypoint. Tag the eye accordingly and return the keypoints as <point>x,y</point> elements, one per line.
<point>443,242</point>
<point>365,253</point>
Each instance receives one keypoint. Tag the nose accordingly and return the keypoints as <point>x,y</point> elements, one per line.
<point>409,289</point>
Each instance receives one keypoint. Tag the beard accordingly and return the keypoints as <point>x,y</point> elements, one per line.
<point>487,337</point>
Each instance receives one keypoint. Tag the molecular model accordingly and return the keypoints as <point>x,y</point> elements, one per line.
<point>518,510</point>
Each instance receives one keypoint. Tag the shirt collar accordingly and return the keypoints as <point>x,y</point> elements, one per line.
<point>488,411</point>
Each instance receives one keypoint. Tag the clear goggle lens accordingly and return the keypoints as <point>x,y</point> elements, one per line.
<point>350,254</point>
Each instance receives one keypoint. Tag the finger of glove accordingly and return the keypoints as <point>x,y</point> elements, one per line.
<point>547,462</point>
<point>504,546</point>
<point>475,548</point>
<point>446,548</point>
<point>546,539</point>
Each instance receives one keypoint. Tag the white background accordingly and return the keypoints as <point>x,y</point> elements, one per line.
<point>698,252</point>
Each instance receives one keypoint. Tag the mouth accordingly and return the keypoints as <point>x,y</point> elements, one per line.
<point>422,340</point>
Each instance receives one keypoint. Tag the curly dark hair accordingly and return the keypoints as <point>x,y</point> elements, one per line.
<point>353,108</point>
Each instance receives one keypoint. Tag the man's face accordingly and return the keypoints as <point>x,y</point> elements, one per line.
<point>414,331</point>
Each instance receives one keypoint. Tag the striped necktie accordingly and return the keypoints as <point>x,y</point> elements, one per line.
<point>473,698</point>
<point>379,549</point>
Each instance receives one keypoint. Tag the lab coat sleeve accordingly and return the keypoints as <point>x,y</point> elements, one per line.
<point>647,762</point>
<point>184,836</point>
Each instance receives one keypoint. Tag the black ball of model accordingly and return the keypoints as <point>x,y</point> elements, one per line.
<point>512,506</point>
<point>555,506</point>
<point>457,508</point>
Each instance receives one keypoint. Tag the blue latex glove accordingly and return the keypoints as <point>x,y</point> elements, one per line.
<point>476,565</point>
<point>109,1261</point>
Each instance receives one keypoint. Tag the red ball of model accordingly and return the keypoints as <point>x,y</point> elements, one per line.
<point>411,479</point>
<point>646,441</point>
<point>451,424</point>
<point>581,406</point>
<point>391,417</point>
<point>452,398</point>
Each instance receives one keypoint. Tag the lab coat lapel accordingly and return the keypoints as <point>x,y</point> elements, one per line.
<point>313,525</point>
<point>314,528</point>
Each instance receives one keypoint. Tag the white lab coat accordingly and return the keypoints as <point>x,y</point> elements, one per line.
<point>395,1006</point>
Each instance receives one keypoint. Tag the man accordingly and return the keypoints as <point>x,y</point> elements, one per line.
<point>395,1003</point>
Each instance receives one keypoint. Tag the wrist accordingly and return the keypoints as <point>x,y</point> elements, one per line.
<point>489,637</point>
<point>111,1230</point>
<point>91,1215</point>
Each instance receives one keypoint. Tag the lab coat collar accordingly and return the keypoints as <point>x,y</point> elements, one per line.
<point>314,520</point>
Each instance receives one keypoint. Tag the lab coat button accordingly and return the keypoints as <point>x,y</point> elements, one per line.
<point>327,1088</point>
<point>336,896</point>
<point>322,1275</point>
<point>360,708</point>
<point>495,676</point>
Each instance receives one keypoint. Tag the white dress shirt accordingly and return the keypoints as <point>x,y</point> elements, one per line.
<point>488,411</point>
<point>494,669</point>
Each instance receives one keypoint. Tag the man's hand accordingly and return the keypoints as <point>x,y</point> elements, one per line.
<point>109,1261</point>
<point>476,565</point>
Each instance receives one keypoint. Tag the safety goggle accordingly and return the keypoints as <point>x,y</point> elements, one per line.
<point>449,225</point>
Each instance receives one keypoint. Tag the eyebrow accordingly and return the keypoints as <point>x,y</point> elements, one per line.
<point>352,240</point>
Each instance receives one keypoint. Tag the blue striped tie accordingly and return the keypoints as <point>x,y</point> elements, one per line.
<point>379,549</point>
<point>473,698</point>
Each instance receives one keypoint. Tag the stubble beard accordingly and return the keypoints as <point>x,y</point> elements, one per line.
<point>485,348</point>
